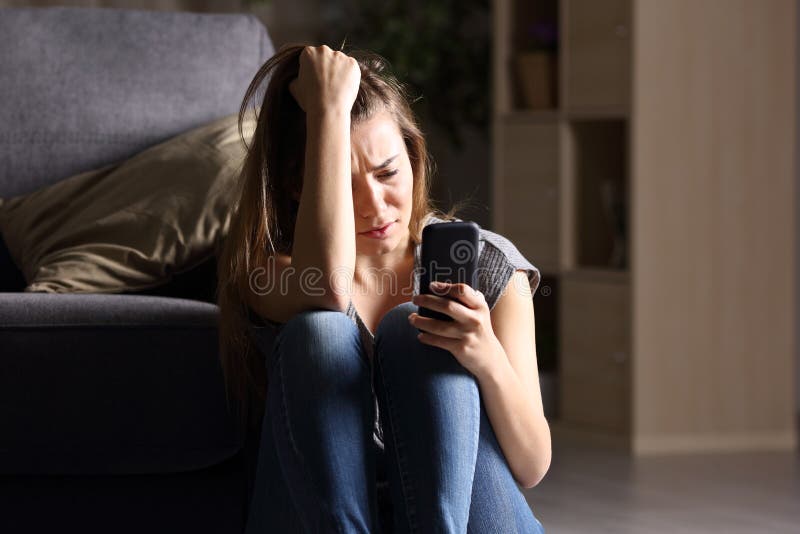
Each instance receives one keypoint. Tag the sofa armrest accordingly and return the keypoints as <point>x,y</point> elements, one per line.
<point>111,384</point>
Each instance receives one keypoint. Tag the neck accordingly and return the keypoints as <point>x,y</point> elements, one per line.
<point>398,261</point>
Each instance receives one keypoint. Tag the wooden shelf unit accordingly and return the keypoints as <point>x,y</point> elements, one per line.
<point>654,190</point>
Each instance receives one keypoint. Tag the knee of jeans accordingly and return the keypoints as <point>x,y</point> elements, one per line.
<point>395,322</point>
<point>320,330</point>
<point>396,340</point>
<point>316,319</point>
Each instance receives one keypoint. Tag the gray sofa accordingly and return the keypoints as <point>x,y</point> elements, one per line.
<point>113,415</point>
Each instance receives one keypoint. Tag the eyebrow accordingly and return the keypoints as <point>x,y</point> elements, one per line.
<point>384,164</point>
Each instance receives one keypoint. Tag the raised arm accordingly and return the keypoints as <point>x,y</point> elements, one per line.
<point>325,230</point>
<point>324,235</point>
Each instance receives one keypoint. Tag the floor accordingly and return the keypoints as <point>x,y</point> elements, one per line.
<point>600,489</point>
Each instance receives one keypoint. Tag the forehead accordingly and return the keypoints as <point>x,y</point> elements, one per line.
<point>376,137</point>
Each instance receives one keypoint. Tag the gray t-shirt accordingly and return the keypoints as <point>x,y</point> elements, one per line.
<point>498,259</point>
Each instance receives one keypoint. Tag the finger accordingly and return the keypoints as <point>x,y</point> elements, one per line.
<point>435,326</point>
<point>445,305</point>
<point>447,344</point>
<point>464,293</point>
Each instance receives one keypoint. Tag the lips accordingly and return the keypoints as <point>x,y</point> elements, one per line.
<point>382,232</point>
<point>378,228</point>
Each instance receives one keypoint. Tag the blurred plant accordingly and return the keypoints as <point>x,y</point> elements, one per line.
<point>541,36</point>
<point>439,48</point>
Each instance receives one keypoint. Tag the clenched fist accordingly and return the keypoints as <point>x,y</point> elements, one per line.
<point>327,81</point>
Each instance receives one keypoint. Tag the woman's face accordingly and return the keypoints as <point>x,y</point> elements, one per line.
<point>382,185</point>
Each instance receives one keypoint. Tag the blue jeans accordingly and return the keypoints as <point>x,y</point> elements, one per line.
<point>317,459</point>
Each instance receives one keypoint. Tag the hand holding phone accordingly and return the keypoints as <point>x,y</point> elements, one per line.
<point>449,254</point>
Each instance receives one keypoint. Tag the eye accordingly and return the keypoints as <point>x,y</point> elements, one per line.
<point>388,174</point>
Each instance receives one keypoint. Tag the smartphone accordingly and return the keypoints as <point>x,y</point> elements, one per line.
<point>449,254</point>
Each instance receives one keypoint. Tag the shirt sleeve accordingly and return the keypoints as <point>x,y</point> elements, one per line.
<point>499,260</point>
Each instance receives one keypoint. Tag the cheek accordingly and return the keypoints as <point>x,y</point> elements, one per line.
<point>405,194</point>
<point>399,197</point>
<point>408,179</point>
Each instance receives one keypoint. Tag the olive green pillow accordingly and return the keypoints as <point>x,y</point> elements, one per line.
<point>130,225</point>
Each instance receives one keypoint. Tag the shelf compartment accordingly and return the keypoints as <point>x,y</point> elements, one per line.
<point>533,59</point>
<point>598,194</point>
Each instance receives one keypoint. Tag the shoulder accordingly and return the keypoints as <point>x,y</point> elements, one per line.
<point>499,248</point>
<point>498,260</point>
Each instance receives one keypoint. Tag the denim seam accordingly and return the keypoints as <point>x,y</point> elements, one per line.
<point>477,425</point>
<point>405,487</point>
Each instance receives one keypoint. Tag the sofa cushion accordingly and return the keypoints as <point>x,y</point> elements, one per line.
<point>129,226</point>
<point>111,384</point>
<point>81,88</point>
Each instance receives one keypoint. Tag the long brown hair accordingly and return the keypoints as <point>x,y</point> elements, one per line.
<point>264,217</point>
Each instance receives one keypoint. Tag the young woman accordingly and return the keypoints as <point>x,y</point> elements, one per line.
<point>368,427</point>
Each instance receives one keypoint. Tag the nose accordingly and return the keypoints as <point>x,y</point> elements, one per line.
<point>368,199</point>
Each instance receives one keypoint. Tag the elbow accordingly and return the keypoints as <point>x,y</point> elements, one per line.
<point>537,471</point>
<point>335,294</point>
<point>333,300</point>
<point>534,477</point>
<point>533,481</point>
<point>339,304</point>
